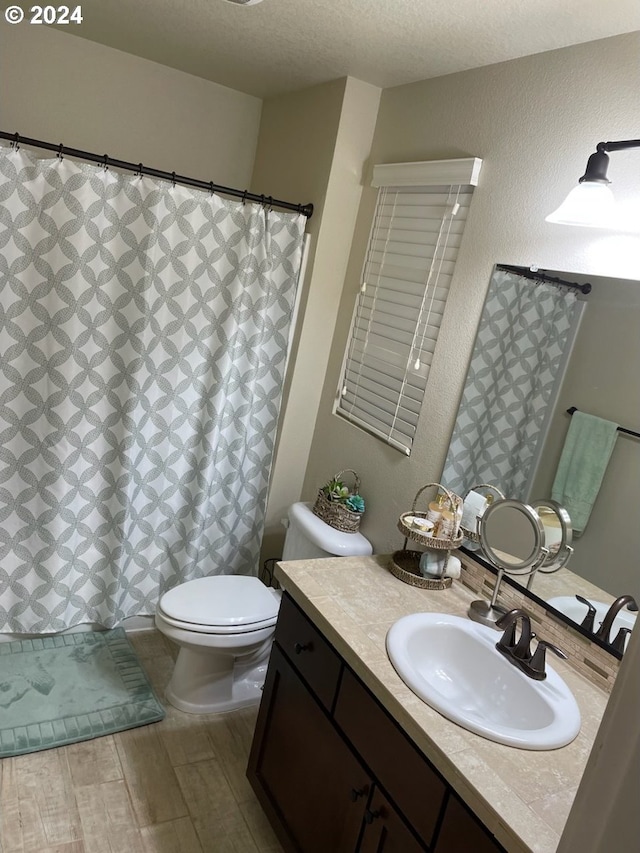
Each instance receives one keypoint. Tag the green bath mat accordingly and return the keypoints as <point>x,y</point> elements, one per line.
<point>66,688</point>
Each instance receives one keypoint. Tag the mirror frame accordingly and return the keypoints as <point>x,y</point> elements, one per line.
<point>535,559</point>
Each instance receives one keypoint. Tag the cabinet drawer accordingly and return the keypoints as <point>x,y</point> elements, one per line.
<point>308,651</point>
<point>403,771</point>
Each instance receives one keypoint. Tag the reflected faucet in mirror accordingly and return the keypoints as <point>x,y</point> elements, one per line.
<point>609,623</point>
<point>604,631</point>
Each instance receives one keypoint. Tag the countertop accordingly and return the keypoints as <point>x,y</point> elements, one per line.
<point>522,796</point>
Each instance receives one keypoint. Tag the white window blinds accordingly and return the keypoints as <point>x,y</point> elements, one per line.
<point>413,246</point>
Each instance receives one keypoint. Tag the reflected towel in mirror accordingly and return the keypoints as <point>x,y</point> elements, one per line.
<point>583,463</point>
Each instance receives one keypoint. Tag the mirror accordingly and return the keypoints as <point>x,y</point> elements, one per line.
<point>597,375</point>
<point>511,537</point>
<point>558,534</point>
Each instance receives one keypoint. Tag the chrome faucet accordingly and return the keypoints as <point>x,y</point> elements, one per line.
<point>519,652</point>
<point>604,631</point>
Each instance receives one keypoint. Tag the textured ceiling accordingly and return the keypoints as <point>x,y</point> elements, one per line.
<point>283,45</point>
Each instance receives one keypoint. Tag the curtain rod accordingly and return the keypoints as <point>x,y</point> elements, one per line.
<point>525,272</point>
<point>141,169</point>
<point>626,431</point>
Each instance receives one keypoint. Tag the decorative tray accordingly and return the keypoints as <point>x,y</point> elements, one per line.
<point>405,565</point>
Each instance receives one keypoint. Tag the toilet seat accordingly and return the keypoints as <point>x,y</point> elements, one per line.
<point>195,628</point>
<point>224,604</point>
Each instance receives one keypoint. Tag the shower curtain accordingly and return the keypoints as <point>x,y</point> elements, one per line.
<point>144,330</point>
<point>517,356</point>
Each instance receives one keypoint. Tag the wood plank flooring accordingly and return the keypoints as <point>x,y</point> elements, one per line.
<point>177,786</point>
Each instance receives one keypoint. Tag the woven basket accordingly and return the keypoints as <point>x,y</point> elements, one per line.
<point>405,565</point>
<point>335,514</point>
<point>431,542</point>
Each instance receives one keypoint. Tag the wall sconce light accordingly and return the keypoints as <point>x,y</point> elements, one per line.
<point>592,203</point>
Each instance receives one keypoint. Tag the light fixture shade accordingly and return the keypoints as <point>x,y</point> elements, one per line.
<point>590,204</point>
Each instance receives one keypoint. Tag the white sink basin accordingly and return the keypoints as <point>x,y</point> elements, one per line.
<point>453,665</point>
<point>574,609</point>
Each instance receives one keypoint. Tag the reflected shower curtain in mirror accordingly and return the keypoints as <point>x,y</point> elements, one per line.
<point>518,354</point>
<point>143,338</point>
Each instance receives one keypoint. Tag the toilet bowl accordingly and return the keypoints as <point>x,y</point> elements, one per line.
<point>225,624</point>
<point>224,627</point>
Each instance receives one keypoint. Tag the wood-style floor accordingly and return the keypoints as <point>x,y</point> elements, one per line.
<point>177,786</point>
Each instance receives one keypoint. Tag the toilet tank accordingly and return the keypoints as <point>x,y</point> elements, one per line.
<point>309,537</point>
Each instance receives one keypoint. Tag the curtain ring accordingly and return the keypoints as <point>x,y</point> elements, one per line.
<point>244,198</point>
<point>16,142</point>
<point>140,170</point>
<point>105,162</point>
<point>211,188</point>
<point>173,179</point>
<point>270,204</point>
<point>60,150</point>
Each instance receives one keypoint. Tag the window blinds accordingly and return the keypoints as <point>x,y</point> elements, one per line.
<point>413,246</point>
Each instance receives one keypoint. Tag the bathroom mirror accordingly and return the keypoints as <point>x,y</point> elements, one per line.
<point>599,376</point>
<point>558,534</point>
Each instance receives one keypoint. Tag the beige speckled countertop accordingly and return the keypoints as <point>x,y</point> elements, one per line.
<point>522,796</point>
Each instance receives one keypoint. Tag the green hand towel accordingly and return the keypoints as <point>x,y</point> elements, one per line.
<point>586,453</point>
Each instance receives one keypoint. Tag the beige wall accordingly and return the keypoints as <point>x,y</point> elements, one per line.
<point>60,88</point>
<point>533,121</point>
<point>313,146</point>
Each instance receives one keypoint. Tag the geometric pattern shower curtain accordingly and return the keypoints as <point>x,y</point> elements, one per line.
<point>523,333</point>
<point>143,339</point>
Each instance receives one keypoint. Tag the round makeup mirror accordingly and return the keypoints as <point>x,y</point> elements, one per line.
<point>512,536</point>
<point>558,534</point>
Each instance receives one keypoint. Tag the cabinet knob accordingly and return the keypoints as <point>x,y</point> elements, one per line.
<point>370,816</point>
<point>356,793</point>
<point>301,647</point>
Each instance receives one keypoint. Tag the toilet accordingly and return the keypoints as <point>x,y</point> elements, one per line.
<point>224,625</point>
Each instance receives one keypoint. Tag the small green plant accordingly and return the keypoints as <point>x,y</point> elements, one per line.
<point>337,492</point>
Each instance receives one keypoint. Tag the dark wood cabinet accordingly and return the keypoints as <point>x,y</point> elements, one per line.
<point>407,777</point>
<point>461,830</point>
<point>385,831</point>
<point>332,769</point>
<point>312,781</point>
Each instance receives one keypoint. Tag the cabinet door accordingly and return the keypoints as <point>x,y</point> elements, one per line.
<point>385,831</point>
<point>305,776</point>
<point>392,758</point>
<point>461,830</point>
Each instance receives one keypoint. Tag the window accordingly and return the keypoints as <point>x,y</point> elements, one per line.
<point>415,235</point>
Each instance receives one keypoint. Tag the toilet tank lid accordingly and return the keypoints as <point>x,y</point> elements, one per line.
<point>325,537</point>
<point>221,600</point>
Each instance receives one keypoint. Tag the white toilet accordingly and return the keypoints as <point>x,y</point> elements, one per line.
<point>224,625</point>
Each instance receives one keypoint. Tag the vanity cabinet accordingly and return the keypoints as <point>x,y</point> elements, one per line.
<point>313,783</point>
<point>334,772</point>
